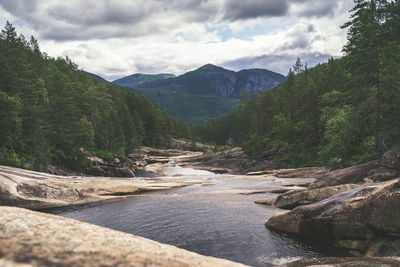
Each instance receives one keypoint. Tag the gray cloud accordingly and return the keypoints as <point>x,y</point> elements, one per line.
<point>314,8</point>
<point>103,19</point>
<point>239,9</point>
<point>278,63</point>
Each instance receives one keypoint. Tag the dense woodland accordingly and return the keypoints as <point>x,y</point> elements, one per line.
<point>54,113</point>
<point>344,112</point>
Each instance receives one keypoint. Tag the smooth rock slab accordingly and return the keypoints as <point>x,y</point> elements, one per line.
<point>35,190</point>
<point>292,199</point>
<point>48,240</point>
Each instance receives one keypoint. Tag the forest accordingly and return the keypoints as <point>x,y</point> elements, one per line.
<point>54,113</point>
<point>340,113</point>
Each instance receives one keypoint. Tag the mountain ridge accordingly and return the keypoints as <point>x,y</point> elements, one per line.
<point>207,92</point>
<point>140,78</point>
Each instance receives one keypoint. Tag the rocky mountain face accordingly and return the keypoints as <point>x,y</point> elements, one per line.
<point>205,93</point>
<point>211,79</point>
<point>230,84</point>
<point>139,78</point>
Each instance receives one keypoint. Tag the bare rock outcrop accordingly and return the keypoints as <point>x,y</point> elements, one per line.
<point>294,198</point>
<point>37,239</point>
<point>364,220</point>
<point>35,190</point>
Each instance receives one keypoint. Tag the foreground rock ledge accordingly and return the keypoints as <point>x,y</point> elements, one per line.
<point>48,240</point>
<point>35,190</point>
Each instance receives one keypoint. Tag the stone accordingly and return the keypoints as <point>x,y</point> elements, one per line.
<point>358,216</point>
<point>36,239</point>
<point>268,201</point>
<point>35,190</point>
<point>294,198</point>
<point>391,159</point>
<point>351,175</point>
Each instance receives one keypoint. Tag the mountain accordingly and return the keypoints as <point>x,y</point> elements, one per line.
<point>95,76</point>
<point>208,92</point>
<point>139,78</point>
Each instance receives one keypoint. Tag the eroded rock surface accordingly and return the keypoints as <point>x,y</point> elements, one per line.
<point>358,220</point>
<point>35,190</point>
<point>39,239</point>
<point>294,198</point>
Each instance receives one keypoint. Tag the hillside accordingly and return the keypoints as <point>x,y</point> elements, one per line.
<point>139,78</point>
<point>208,92</point>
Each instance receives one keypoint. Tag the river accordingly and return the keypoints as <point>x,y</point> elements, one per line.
<point>209,217</point>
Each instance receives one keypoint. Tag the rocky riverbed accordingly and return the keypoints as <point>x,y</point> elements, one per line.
<point>355,209</point>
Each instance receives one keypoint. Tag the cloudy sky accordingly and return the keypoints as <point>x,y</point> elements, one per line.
<point>121,37</point>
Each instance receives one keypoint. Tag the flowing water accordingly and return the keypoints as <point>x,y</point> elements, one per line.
<point>210,219</point>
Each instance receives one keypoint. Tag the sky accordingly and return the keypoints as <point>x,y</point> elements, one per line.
<point>120,37</point>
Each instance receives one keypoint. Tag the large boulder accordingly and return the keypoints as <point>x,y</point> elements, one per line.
<point>294,198</point>
<point>358,219</point>
<point>38,239</point>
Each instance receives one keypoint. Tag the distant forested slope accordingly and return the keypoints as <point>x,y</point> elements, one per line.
<point>52,112</point>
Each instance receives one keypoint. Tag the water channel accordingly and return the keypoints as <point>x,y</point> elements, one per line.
<point>209,217</point>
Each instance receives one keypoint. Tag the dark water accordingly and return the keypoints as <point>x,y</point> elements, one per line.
<point>228,226</point>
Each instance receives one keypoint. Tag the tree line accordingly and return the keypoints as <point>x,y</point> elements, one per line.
<point>343,112</point>
<point>54,113</point>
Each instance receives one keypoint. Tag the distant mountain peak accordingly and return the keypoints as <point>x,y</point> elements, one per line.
<point>210,67</point>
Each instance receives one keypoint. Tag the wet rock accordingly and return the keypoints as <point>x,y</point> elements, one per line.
<point>38,239</point>
<point>356,219</point>
<point>294,198</point>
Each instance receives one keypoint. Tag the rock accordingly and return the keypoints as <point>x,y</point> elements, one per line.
<point>116,161</point>
<point>351,175</point>
<point>294,198</point>
<point>268,201</point>
<point>391,159</point>
<point>258,173</point>
<point>344,262</point>
<point>35,190</point>
<point>97,161</point>
<point>41,239</point>
<point>110,171</point>
<point>310,172</point>
<point>357,219</point>
<point>382,174</point>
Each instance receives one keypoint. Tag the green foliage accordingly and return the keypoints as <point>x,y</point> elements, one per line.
<point>51,112</point>
<point>340,113</point>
